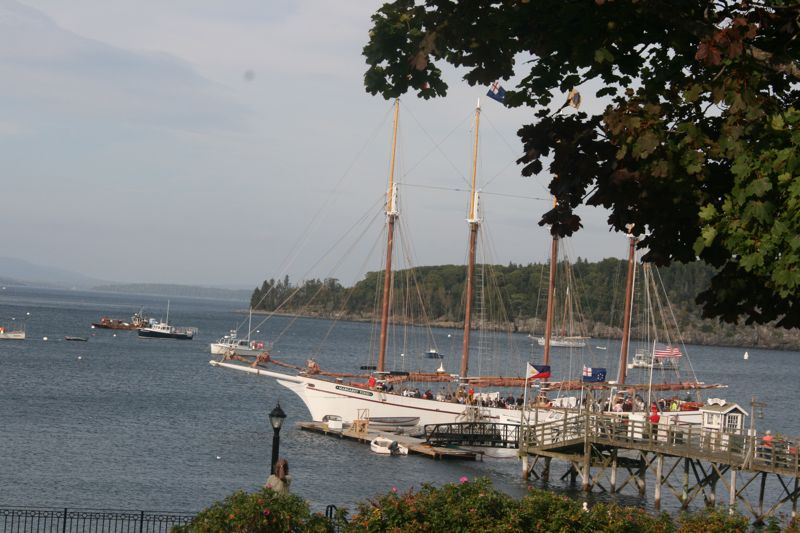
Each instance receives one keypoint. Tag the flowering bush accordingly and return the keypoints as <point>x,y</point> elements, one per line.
<point>466,506</point>
<point>474,506</point>
<point>264,511</point>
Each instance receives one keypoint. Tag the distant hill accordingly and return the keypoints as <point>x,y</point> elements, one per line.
<point>22,272</point>
<point>165,289</point>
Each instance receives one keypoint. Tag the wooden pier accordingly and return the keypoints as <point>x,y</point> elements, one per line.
<point>365,434</point>
<point>689,461</point>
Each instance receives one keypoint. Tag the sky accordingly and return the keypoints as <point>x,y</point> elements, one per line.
<point>225,143</point>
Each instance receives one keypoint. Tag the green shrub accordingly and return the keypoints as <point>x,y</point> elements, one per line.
<point>468,506</point>
<point>264,511</point>
<point>477,507</point>
<point>713,521</point>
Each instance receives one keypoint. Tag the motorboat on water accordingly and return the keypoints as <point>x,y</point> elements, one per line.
<point>164,330</point>
<point>387,446</point>
<point>138,320</point>
<point>74,338</point>
<point>231,344</point>
<point>558,341</point>
<point>432,353</point>
<point>651,362</point>
<point>12,334</point>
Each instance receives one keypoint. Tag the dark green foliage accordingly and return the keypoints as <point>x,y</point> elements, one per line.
<point>697,146</point>
<point>523,289</point>
<point>477,507</point>
<point>469,506</point>
<point>264,511</point>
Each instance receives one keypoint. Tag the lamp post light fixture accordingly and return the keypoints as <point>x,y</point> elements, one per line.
<point>276,418</point>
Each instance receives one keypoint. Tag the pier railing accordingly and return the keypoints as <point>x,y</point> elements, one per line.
<point>678,439</point>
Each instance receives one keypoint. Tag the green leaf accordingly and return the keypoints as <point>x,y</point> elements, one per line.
<point>759,187</point>
<point>603,55</point>
<point>645,144</point>
<point>707,212</point>
<point>693,93</point>
<point>750,261</point>
<point>777,122</point>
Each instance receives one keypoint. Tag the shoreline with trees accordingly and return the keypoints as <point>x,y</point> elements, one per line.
<point>524,286</point>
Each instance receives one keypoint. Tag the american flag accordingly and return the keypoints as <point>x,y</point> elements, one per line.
<point>669,351</point>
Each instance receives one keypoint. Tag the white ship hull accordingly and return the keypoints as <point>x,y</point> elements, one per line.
<point>221,348</point>
<point>563,342</point>
<point>12,335</point>
<point>323,397</point>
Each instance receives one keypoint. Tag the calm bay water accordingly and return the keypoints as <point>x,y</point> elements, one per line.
<point>123,422</point>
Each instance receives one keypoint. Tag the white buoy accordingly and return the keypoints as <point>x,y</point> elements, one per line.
<point>44,338</point>
<point>218,458</point>
<point>92,326</point>
<point>114,335</point>
<point>79,358</point>
<point>746,356</point>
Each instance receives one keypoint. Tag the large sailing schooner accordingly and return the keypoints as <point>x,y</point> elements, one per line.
<point>348,396</point>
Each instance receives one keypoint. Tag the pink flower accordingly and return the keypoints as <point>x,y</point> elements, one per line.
<point>394,489</point>
<point>463,479</point>
<point>266,512</point>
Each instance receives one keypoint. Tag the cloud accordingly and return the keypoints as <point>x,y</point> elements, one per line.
<point>51,73</point>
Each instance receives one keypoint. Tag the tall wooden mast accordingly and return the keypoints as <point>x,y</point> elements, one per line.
<point>551,296</point>
<point>391,215</point>
<point>626,328</point>
<point>474,222</point>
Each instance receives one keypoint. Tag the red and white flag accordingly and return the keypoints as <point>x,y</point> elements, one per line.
<point>668,351</point>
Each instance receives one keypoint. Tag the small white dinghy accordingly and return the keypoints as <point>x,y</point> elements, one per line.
<point>385,446</point>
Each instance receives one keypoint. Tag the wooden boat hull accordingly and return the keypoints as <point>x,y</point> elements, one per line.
<point>114,325</point>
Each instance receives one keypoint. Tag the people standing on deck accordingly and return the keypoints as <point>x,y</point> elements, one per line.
<point>654,419</point>
<point>765,450</point>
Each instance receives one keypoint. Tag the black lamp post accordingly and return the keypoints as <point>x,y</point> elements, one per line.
<point>276,418</point>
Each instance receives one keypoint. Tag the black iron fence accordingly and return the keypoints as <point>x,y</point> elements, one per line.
<point>49,520</point>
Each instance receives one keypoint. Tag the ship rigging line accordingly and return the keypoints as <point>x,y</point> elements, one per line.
<point>330,249</point>
<point>436,146</point>
<point>456,189</point>
<point>326,205</point>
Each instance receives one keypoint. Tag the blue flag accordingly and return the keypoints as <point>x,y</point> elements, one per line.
<point>594,375</point>
<point>496,92</point>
